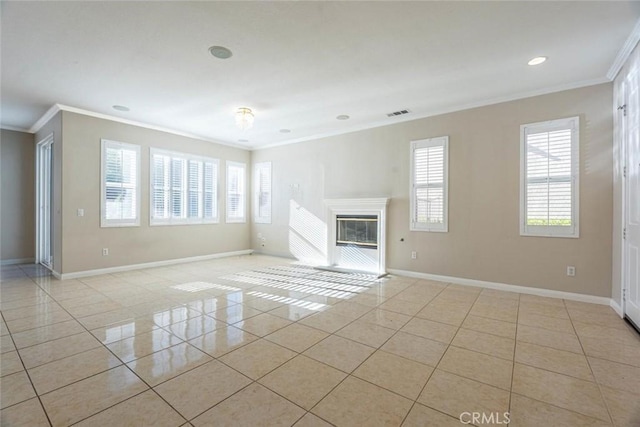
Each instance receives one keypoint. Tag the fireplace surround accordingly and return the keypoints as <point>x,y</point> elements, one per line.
<point>357,234</point>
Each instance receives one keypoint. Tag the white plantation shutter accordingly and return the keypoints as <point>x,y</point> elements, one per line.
<point>549,178</point>
<point>262,192</point>
<point>161,191</point>
<point>195,191</point>
<point>178,187</point>
<point>211,191</point>
<point>184,188</point>
<point>120,171</point>
<point>236,192</point>
<point>429,179</point>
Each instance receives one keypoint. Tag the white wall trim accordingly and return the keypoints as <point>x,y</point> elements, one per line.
<point>506,287</point>
<point>17,261</point>
<point>14,128</point>
<point>55,108</point>
<point>109,270</point>
<point>364,206</point>
<point>60,107</point>
<point>454,109</point>
<point>625,52</point>
<point>616,307</point>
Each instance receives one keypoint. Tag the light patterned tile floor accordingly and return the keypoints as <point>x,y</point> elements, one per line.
<point>256,340</point>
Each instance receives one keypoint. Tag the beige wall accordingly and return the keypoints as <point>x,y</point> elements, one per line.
<point>83,239</point>
<point>17,197</point>
<point>483,241</point>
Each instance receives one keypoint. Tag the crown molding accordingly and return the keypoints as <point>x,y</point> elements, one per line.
<point>55,108</point>
<point>14,128</point>
<point>454,109</point>
<point>624,52</point>
<point>60,107</point>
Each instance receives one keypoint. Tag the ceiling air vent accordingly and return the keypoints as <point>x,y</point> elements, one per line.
<point>398,113</point>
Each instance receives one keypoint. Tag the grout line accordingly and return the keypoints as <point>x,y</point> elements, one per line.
<point>595,380</point>
<point>285,278</point>
<point>29,377</point>
<point>439,360</point>
<point>513,363</point>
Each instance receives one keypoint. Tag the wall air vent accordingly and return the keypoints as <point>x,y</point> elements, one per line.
<point>398,113</point>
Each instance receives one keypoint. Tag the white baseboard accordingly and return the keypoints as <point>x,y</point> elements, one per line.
<point>616,307</point>
<point>17,261</point>
<point>505,287</point>
<point>109,270</point>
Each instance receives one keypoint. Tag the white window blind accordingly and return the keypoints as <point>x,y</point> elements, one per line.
<point>549,178</point>
<point>184,188</point>
<point>120,172</point>
<point>236,195</point>
<point>262,192</point>
<point>429,184</point>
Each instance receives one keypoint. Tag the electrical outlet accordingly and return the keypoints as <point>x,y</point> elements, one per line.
<point>414,255</point>
<point>80,212</point>
<point>571,270</point>
<point>105,251</point>
<point>259,235</point>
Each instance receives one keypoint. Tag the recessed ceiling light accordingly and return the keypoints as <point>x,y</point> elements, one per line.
<point>342,117</point>
<point>537,60</point>
<point>285,130</point>
<point>243,140</point>
<point>120,108</point>
<point>220,52</point>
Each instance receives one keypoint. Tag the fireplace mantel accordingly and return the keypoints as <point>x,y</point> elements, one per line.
<point>362,206</point>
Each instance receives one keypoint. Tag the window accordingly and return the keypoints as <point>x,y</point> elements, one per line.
<point>184,188</point>
<point>429,184</point>
<point>549,178</point>
<point>236,192</point>
<point>262,192</point>
<point>120,177</point>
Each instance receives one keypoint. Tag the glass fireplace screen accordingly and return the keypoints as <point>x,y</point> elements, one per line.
<point>357,230</point>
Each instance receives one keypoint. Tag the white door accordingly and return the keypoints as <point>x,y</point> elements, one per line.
<point>631,126</point>
<point>44,177</point>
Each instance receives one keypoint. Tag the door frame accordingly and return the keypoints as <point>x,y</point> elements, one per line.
<point>621,101</point>
<point>44,190</point>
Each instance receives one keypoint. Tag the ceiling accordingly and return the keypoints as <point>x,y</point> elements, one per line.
<point>298,65</point>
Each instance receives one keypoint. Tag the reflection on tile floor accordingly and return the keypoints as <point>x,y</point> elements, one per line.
<point>256,340</point>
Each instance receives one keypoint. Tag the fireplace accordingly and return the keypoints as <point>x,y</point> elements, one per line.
<point>357,230</point>
<point>357,234</point>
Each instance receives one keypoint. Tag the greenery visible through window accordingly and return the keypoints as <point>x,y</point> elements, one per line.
<point>549,182</point>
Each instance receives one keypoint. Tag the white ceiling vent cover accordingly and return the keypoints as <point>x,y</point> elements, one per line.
<point>398,113</point>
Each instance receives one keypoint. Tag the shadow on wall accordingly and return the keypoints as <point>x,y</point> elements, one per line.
<point>307,235</point>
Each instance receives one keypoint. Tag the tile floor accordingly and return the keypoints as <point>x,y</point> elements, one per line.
<point>256,340</point>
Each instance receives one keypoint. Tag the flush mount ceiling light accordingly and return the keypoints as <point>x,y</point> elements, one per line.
<point>537,60</point>
<point>244,118</point>
<point>120,108</point>
<point>342,117</point>
<point>220,52</point>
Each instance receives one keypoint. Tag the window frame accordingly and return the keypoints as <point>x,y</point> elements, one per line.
<point>186,158</point>
<point>243,219</point>
<point>257,193</point>
<point>104,221</point>
<point>572,123</point>
<point>413,224</point>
